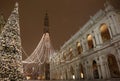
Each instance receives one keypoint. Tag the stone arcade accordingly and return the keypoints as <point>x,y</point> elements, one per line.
<point>93,52</point>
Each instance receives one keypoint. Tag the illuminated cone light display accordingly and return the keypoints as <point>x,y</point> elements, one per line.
<point>10,49</point>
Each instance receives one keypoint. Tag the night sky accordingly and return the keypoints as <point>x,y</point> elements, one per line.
<point>65,17</point>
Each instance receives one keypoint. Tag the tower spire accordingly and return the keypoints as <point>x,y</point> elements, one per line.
<point>46,23</point>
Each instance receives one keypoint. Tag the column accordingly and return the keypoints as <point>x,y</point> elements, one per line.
<point>88,72</point>
<point>115,23</point>
<point>98,37</point>
<point>74,51</point>
<point>118,53</point>
<point>83,46</point>
<point>86,45</point>
<point>118,61</point>
<point>91,72</point>
<point>68,73</point>
<point>76,73</point>
<point>99,71</point>
<point>111,32</point>
<point>107,70</point>
<point>79,75</point>
<point>104,73</point>
<point>112,27</point>
<point>94,41</point>
<point>103,69</point>
<point>85,71</point>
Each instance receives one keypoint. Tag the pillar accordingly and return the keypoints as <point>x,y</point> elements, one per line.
<point>104,75</point>
<point>99,71</point>
<point>83,45</point>
<point>118,53</point>
<point>115,23</point>
<point>103,68</point>
<point>68,73</point>
<point>91,72</point>
<point>93,39</point>
<point>98,37</point>
<point>107,70</point>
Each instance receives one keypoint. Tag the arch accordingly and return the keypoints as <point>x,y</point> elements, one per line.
<point>95,70</point>
<point>113,66</point>
<point>79,47</point>
<point>81,72</point>
<point>72,73</point>
<point>105,34</point>
<point>90,41</point>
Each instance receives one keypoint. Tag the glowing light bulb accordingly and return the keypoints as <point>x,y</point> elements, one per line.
<point>28,77</point>
<point>73,77</point>
<point>81,74</point>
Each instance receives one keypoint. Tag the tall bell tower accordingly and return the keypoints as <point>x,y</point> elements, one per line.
<point>46,65</point>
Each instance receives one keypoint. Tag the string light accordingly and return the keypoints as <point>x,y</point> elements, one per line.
<point>43,51</point>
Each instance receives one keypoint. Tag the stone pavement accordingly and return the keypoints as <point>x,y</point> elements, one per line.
<point>115,79</point>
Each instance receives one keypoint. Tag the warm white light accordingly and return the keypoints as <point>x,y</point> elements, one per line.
<point>78,44</point>
<point>28,77</point>
<point>33,68</point>
<point>42,52</point>
<point>61,77</point>
<point>39,78</point>
<point>81,74</point>
<point>73,76</point>
<point>70,49</point>
<point>89,37</point>
<point>103,28</point>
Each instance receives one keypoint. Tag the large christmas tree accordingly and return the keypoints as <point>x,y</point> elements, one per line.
<point>10,49</point>
<point>2,22</point>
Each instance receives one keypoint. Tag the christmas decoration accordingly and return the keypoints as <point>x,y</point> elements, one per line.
<point>2,22</point>
<point>10,49</point>
<point>37,65</point>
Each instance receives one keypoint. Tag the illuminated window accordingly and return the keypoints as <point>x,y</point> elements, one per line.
<point>95,70</point>
<point>28,77</point>
<point>79,48</point>
<point>70,54</point>
<point>64,56</point>
<point>90,41</point>
<point>105,32</point>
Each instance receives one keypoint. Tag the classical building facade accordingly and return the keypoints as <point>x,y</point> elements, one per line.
<point>93,52</point>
